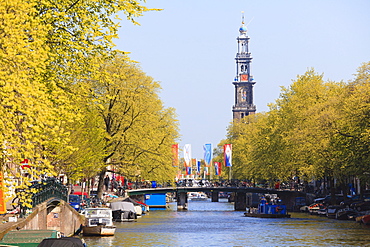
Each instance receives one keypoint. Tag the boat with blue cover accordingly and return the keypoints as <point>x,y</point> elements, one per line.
<point>268,208</point>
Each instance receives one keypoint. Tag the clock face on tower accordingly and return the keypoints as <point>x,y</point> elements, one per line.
<point>243,77</point>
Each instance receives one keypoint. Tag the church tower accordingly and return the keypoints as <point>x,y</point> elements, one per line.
<point>243,81</point>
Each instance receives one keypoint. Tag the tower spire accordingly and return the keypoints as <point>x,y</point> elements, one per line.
<point>243,81</point>
<point>243,28</point>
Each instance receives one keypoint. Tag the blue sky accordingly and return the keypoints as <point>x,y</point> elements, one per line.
<point>190,46</point>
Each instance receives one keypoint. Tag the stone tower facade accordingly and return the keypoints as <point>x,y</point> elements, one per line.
<point>243,81</point>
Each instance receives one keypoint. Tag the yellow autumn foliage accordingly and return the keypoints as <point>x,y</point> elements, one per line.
<point>315,129</point>
<point>46,49</point>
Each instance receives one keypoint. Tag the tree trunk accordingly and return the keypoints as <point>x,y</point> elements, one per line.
<point>332,191</point>
<point>101,183</point>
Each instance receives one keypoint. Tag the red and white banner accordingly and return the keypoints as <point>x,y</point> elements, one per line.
<point>217,168</point>
<point>187,154</point>
<point>228,155</point>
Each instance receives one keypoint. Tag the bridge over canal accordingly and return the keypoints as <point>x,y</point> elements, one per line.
<point>242,196</point>
<point>50,211</point>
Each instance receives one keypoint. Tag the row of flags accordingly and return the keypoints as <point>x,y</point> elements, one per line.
<point>208,154</point>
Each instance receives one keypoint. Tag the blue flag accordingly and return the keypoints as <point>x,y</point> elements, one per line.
<point>216,169</point>
<point>207,154</point>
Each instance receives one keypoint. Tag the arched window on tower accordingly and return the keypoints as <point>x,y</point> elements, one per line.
<point>243,95</point>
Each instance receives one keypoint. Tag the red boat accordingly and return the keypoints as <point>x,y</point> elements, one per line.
<point>366,219</point>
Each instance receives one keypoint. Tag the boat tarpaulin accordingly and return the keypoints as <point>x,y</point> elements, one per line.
<point>62,242</point>
<point>124,206</point>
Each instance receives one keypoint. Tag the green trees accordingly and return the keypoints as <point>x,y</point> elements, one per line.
<point>315,129</point>
<point>27,118</point>
<point>138,130</point>
<point>353,131</point>
<point>70,103</point>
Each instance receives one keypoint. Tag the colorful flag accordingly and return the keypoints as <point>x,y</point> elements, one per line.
<point>188,170</point>
<point>187,154</point>
<point>217,168</point>
<point>175,155</point>
<point>207,154</point>
<point>198,167</point>
<point>206,171</point>
<point>227,155</point>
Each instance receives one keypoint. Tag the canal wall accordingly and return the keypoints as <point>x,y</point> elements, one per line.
<point>50,215</point>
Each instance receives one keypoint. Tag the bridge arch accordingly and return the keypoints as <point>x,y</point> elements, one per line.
<point>53,214</point>
<point>52,203</point>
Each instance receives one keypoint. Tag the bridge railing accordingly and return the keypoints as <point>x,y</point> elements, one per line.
<point>189,183</point>
<point>47,189</point>
<point>41,191</point>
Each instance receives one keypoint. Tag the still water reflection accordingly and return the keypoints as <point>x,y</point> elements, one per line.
<point>217,224</point>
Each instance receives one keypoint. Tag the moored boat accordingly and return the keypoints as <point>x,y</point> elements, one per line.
<point>28,238</point>
<point>315,207</point>
<point>98,230</point>
<point>62,242</point>
<point>346,214</point>
<point>145,208</point>
<point>123,211</point>
<point>332,210</point>
<point>267,215</point>
<point>140,207</point>
<point>363,217</point>
<point>366,219</point>
<point>268,210</point>
<point>322,211</point>
<point>197,196</point>
<point>98,222</point>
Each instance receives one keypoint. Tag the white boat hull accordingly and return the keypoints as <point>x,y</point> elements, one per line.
<point>99,230</point>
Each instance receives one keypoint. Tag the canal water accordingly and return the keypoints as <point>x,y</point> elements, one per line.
<point>208,223</point>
